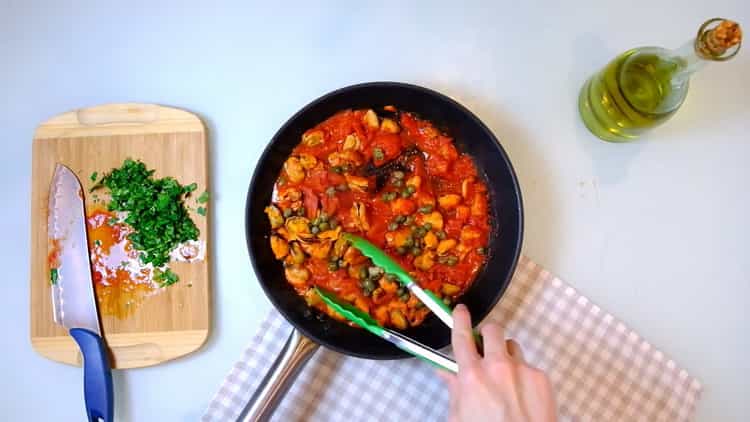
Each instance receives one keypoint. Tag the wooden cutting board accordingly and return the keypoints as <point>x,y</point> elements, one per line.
<point>173,322</point>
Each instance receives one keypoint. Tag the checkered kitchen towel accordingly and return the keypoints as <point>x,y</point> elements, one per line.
<point>600,369</point>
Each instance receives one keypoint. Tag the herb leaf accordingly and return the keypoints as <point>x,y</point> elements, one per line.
<point>53,276</point>
<point>165,278</point>
<point>155,209</point>
<point>203,198</point>
<point>93,176</point>
<point>201,211</point>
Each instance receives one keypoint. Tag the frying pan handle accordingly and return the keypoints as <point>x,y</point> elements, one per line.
<point>296,352</point>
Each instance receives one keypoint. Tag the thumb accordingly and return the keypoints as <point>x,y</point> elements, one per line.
<point>448,378</point>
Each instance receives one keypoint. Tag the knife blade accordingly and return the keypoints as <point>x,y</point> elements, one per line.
<point>73,299</point>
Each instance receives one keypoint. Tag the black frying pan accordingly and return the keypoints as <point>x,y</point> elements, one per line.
<point>312,329</point>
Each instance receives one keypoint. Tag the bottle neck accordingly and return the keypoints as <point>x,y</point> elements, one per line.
<point>717,40</point>
<point>690,60</point>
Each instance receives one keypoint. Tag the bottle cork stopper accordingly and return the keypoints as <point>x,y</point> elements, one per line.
<point>714,42</point>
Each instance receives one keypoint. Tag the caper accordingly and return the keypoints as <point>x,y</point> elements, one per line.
<point>401,291</point>
<point>375,272</point>
<point>337,169</point>
<point>405,193</point>
<point>416,251</point>
<point>400,219</point>
<point>324,226</point>
<point>442,260</point>
<point>408,220</point>
<point>398,183</point>
<point>300,211</point>
<point>315,221</point>
<point>420,232</point>
<point>333,266</point>
<point>408,242</point>
<point>404,298</point>
<point>398,174</point>
<point>440,234</point>
<point>401,250</point>
<point>393,226</point>
<point>425,209</point>
<point>427,226</point>
<point>391,277</point>
<point>386,197</point>
<point>411,189</point>
<point>368,284</point>
<point>288,213</point>
<point>452,260</point>
<point>378,154</point>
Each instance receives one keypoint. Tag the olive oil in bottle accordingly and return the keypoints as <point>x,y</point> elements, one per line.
<point>644,87</point>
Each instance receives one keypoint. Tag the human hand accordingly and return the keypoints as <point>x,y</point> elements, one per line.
<point>500,386</point>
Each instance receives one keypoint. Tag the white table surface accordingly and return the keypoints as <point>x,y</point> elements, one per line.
<point>653,231</point>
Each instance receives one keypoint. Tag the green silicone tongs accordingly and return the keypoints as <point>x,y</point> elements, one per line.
<point>382,260</point>
<point>402,342</point>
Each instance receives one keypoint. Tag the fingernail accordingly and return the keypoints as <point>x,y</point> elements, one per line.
<point>460,306</point>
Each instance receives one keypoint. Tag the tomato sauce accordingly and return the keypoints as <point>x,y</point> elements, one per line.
<point>399,182</point>
<point>121,282</point>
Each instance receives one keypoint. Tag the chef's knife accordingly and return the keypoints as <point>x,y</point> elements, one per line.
<point>73,300</point>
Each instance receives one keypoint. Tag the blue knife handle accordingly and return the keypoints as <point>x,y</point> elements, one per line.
<point>97,377</point>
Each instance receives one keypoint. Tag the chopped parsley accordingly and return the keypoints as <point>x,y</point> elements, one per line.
<point>53,276</point>
<point>203,198</point>
<point>165,277</point>
<point>156,211</point>
<point>94,176</point>
<point>97,242</point>
<point>201,211</point>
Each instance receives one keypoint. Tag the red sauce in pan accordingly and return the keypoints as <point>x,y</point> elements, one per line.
<point>427,210</point>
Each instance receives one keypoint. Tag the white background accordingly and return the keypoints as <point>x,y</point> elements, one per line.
<point>655,231</point>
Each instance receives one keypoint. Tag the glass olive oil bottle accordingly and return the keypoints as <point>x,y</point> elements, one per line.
<point>644,87</point>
